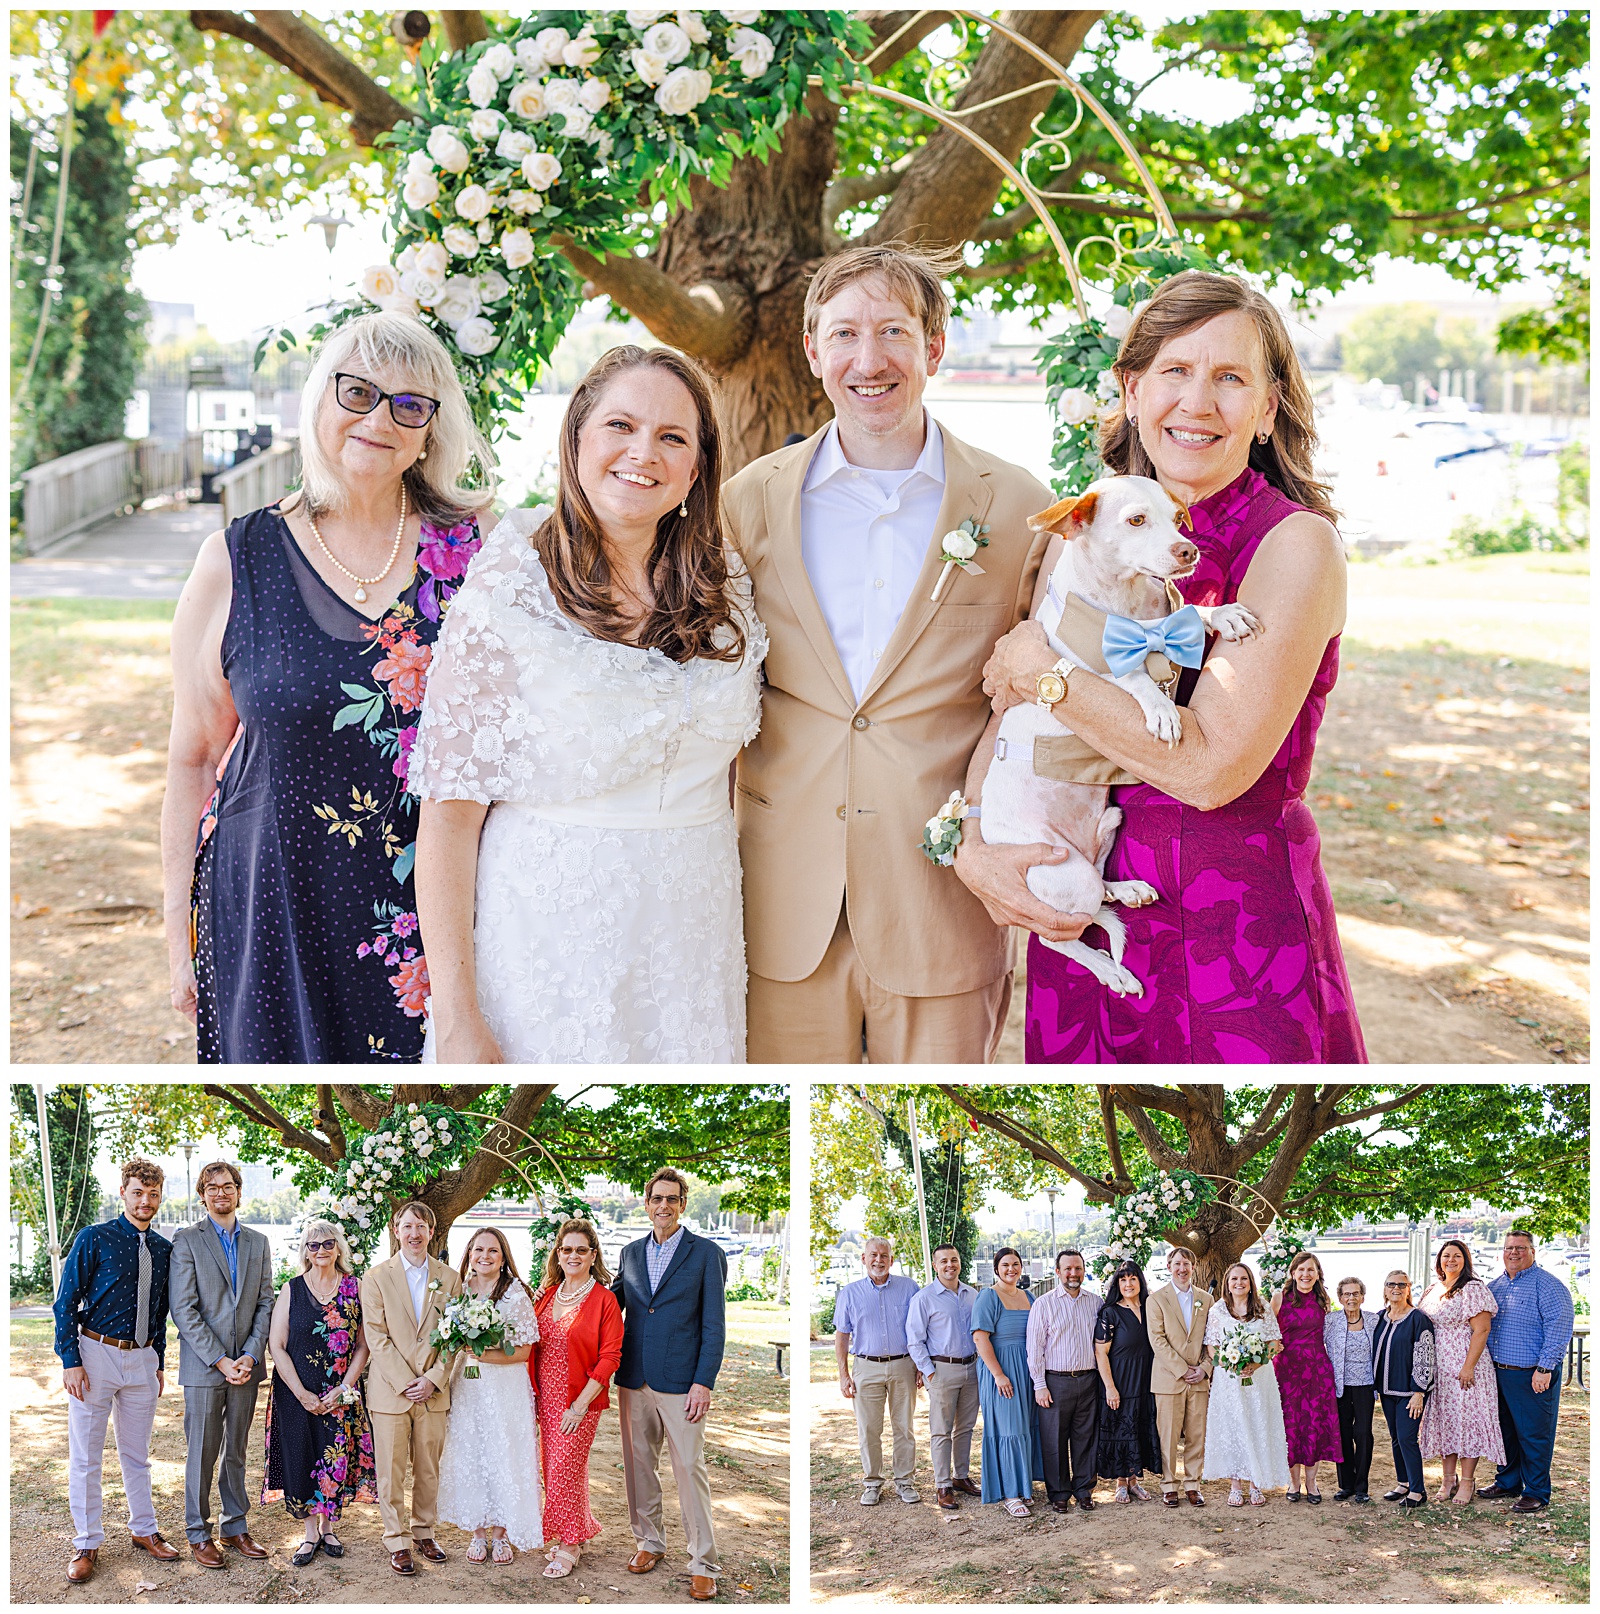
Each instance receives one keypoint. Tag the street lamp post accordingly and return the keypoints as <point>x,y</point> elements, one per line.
<point>1050,1194</point>
<point>188,1192</point>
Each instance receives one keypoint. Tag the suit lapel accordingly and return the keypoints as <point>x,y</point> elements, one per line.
<point>679,1256</point>
<point>213,1242</point>
<point>966,493</point>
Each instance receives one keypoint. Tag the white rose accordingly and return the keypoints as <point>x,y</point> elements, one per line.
<point>527,100</point>
<point>472,203</point>
<point>406,260</point>
<point>593,94</point>
<point>449,150</point>
<point>400,303</point>
<point>584,51</point>
<point>650,67</point>
<point>529,57</point>
<point>500,59</point>
<point>561,95</point>
<point>752,51</point>
<point>960,545</point>
<point>516,247</point>
<point>482,85</point>
<point>432,260</point>
<point>485,232</point>
<point>642,19</point>
<point>492,286</point>
<point>552,43</point>
<point>379,281</point>
<point>1075,406</point>
<point>541,170</point>
<point>690,22</point>
<point>741,16</point>
<point>420,190</point>
<point>524,202</point>
<point>682,90</point>
<point>485,125</point>
<point>462,242</point>
<point>513,145</point>
<point>447,1138</point>
<point>459,300</point>
<point>1118,321</point>
<point>668,41</point>
<point>419,162</point>
<point>576,123</point>
<point>421,288</point>
<point>425,1149</point>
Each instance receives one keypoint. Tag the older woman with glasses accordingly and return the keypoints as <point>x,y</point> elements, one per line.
<point>300,649</point>
<point>319,1439</point>
<point>1403,1368</point>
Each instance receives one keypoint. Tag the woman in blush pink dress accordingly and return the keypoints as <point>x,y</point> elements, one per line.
<point>580,1347</point>
<point>1305,1377</point>
<point>1461,1422</point>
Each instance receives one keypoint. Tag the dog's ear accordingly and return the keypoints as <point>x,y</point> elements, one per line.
<point>1071,515</point>
<point>1184,519</point>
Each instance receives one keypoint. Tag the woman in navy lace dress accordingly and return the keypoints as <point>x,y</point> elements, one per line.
<point>300,651</point>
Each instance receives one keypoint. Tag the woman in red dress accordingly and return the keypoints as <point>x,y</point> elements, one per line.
<point>580,1347</point>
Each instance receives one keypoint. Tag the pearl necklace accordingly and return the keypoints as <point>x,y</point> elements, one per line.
<point>572,1300</point>
<point>361,582</point>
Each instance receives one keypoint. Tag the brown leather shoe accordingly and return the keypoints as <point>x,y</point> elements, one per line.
<point>244,1546</point>
<point>82,1566</point>
<point>208,1554</point>
<point>642,1562</point>
<point>1196,1500</point>
<point>946,1498</point>
<point>1086,1504</point>
<point>702,1588</point>
<point>400,1562</point>
<point>158,1547</point>
<point>1059,1506</point>
<point>1169,1499</point>
<point>429,1549</point>
<point>966,1487</point>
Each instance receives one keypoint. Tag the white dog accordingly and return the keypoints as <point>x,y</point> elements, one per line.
<point>1117,548</point>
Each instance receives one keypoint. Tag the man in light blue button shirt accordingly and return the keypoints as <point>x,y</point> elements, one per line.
<point>869,1317</point>
<point>939,1337</point>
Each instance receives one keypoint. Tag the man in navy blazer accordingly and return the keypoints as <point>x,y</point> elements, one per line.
<point>670,1286</point>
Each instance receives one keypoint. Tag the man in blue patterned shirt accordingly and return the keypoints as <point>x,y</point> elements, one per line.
<point>111,1336</point>
<point>1527,1339</point>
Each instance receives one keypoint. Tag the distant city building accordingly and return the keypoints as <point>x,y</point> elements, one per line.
<point>169,322</point>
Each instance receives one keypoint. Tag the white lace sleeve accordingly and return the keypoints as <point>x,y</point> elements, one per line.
<point>1217,1320</point>
<point>1269,1327</point>
<point>517,1309</point>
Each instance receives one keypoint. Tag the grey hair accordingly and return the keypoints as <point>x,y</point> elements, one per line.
<point>392,345</point>
<point>1338,1288</point>
<point>319,1227</point>
<point>877,1238</point>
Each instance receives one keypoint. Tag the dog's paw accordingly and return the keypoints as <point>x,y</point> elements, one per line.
<point>1162,720</point>
<point>1131,893</point>
<point>1123,982</point>
<point>1235,621</point>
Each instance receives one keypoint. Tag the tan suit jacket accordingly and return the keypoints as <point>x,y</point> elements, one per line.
<point>833,794</point>
<point>1176,1348</point>
<point>400,1350</point>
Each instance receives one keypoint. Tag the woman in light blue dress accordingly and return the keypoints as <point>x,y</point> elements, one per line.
<point>1012,1456</point>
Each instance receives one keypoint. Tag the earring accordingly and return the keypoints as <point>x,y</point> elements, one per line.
<point>683,509</point>
<point>1261,437</point>
<point>1133,420</point>
<point>423,455</point>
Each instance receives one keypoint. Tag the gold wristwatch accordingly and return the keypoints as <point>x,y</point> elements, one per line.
<point>1052,685</point>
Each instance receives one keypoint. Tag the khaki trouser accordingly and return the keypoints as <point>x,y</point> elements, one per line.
<point>952,1413</point>
<point>838,1013</point>
<point>880,1385</point>
<point>1183,1413</point>
<point>122,1391</point>
<point>649,1418</point>
<point>399,1440</point>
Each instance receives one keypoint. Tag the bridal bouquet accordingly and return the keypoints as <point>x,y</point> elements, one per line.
<point>471,1322</point>
<point>1240,1352</point>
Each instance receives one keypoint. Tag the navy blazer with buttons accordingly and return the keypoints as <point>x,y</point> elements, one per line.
<point>673,1338</point>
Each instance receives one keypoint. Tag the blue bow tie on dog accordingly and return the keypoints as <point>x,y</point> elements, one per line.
<point>1181,638</point>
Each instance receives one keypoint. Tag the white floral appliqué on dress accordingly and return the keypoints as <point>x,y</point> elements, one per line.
<point>609,922</point>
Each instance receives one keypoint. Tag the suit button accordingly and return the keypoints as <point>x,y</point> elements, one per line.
<point>839,811</point>
<point>652,1311</point>
<point>862,723</point>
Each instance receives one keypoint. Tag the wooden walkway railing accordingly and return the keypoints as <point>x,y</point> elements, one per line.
<point>259,481</point>
<point>65,495</point>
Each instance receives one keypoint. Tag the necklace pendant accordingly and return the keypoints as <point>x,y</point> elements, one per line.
<point>361,593</point>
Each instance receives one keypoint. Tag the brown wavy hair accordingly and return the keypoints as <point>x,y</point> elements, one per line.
<point>689,563</point>
<point>1182,304</point>
<point>1319,1289</point>
<point>552,1265</point>
<point>1463,1277</point>
<point>508,1264</point>
<point>1252,1305</point>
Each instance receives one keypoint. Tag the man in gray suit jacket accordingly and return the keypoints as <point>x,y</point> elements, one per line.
<point>221,1299</point>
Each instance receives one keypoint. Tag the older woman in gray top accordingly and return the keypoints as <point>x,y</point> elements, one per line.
<point>1347,1334</point>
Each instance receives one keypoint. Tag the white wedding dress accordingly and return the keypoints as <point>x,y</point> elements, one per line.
<point>1245,1438</point>
<point>489,1472</point>
<point>609,923</point>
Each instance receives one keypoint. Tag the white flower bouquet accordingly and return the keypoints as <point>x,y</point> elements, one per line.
<point>470,1322</point>
<point>1240,1352</point>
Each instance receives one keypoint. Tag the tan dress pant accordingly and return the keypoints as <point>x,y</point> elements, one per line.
<point>952,1416</point>
<point>838,1014</point>
<point>414,1439</point>
<point>880,1387</point>
<point>649,1418</point>
<point>1183,1414</point>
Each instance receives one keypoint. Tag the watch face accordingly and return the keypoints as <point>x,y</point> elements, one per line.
<point>1052,686</point>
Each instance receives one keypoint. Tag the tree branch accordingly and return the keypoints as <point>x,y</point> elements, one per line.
<point>1380,1109</point>
<point>1261,1129</point>
<point>248,1100</point>
<point>463,28</point>
<point>483,1170</point>
<point>328,1119</point>
<point>978,273</point>
<point>713,320</point>
<point>1162,1154</point>
<point>1108,1126</point>
<point>1038,1147</point>
<point>361,1104</point>
<point>851,190</point>
<point>1490,205</point>
<point>887,24</point>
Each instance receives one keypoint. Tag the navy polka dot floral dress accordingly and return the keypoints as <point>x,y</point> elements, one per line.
<point>304,915</point>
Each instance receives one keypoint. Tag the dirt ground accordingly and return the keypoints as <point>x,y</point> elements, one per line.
<point>748,1453</point>
<point>1145,1553</point>
<point>1451,788</point>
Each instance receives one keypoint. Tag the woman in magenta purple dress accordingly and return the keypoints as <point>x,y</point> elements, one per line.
<point>1239,956</point>
<point>1305,1377</point>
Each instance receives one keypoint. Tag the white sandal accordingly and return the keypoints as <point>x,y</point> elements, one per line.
<point>1236,1498</point>
<point>502,1553</point>
<point>478,1552</point>
<point>1017,1508</point>
<point>563,1560</point>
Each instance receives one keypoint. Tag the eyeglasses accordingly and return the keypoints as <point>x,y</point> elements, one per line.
<point>361,397</point>
<point>321,1245</point>
<point>1402,1284</point>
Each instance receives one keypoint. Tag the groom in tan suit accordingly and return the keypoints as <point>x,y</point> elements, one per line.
<point>408,1385</point>
<point>1179,1380</point>
<point>874,703</point>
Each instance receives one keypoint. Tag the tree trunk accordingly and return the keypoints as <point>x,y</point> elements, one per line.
<point>1216,1238</point>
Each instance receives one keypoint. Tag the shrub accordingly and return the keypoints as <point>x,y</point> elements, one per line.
<point>825,1316</point>
<point>1520,534</point>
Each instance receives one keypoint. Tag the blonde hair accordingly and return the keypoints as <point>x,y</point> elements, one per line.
<point>319,1227</point>
<point>395,345</point>
<point>914,274</point>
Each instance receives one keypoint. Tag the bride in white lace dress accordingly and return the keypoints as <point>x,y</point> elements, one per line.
<point>1245,1439</point>
<point>489,1470</point>
<point>596,676</point>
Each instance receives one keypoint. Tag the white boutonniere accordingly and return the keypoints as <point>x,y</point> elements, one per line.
<point>958,548</point>
<point>432,1286</point>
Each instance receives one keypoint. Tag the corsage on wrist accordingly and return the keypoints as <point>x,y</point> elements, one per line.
<point>941,835</point>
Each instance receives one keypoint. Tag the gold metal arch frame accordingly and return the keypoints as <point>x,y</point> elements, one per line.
<point>951,118</point>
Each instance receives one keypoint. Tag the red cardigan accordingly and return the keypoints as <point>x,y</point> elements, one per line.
<point>594,1343</point>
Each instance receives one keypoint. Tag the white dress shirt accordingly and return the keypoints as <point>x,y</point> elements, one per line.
<point>863,537</point>
<point>417,1282</point>
<point>1186,1300</point>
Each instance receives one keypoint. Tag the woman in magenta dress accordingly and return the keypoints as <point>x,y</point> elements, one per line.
<point>1305,1377</point>
<point>1461,1421</point>
<point>1239,956</point>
